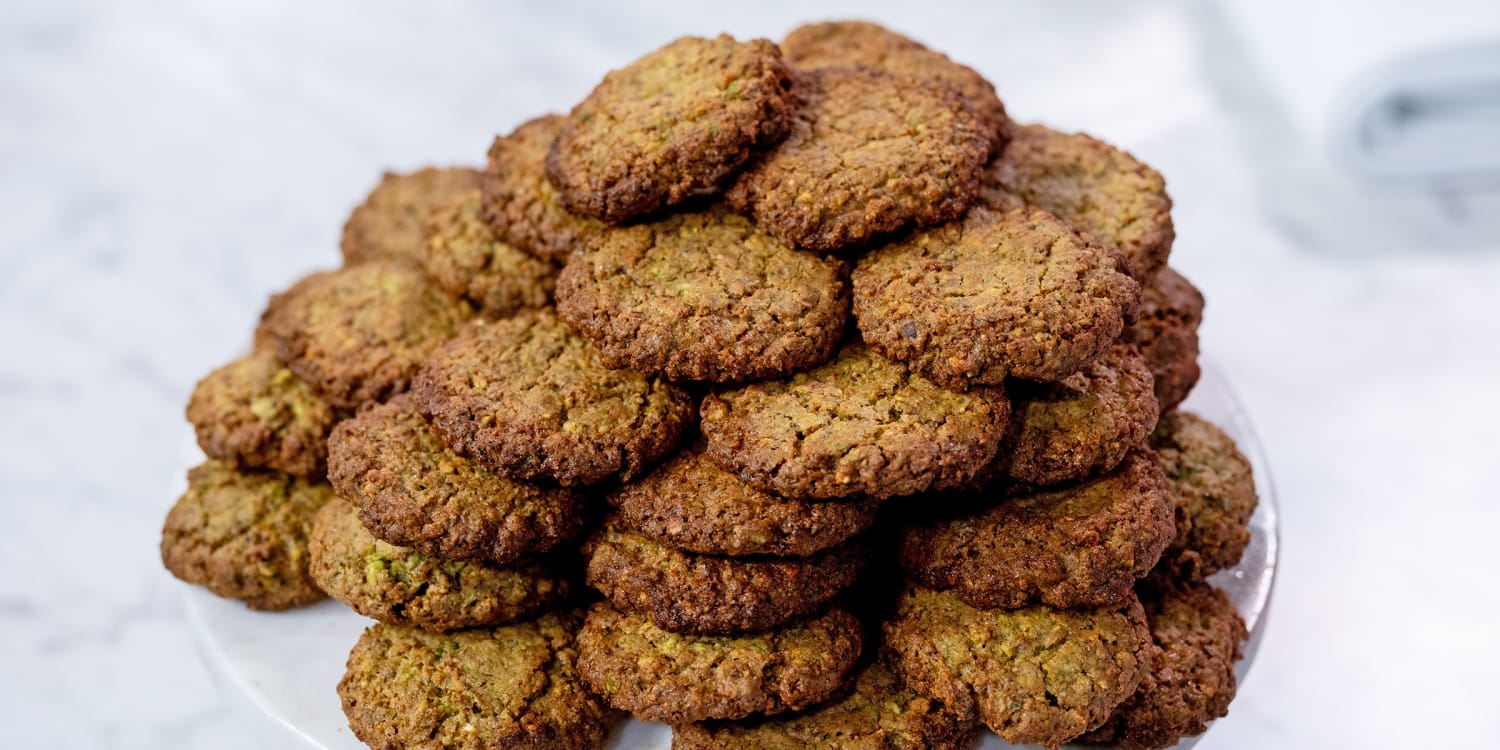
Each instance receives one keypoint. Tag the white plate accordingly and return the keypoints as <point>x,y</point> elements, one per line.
<point>278,670</point>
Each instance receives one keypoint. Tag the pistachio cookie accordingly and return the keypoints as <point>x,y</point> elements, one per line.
<point>673,124</point>
<point>878,714</point>
<point>412,490</point>
<point>859,425</point>
<point>401,586</point>
<point>869,153</point>
<point>704,296</point>
<point>528,397</point>
<point>515,686</point>
<point>1082,425</point>
<point>255,413</point>
<point>520,203</point>
<point>1213,493</point>
<point>1079,546</point>
<point>243,535</point>
<point>692,504</point>
<point>1033,676</point>
<point>1192,683</point>
<point>463,256</point>
<point>1098,188</point>
<point>1017,294</point>
<point>662,676</point>
<point>848,44</point>
<point>359,334</point>
<point>685,592</point>
<point>1166,330</point>
<point>388,225</point>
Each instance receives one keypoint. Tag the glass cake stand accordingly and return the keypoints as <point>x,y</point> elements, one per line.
<point>278,670</point>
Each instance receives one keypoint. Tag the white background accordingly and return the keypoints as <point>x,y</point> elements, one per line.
<point>164,166</point>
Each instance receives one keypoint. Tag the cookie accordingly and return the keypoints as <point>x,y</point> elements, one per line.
<point>1166,330</point>
<point>1034,676</point>
<point>1080,546</point>
<point>412,490</point>
<point>661,676</point>
<point>673,124</point>
<point>515,686</point>
<point>1199,634</point>
<point>255,413</point>
<point>690,503</point>
<point>1082,425</point>
<point>388,225</point>
<point>463,256</point>
<point>878,714</point>
<point>685,592</point>
<point>531,399</point>
<point>519,202</point>
<point>1213,494</point>
<point>704,296</point>
<point>360,333</point>
<point>859,425</point>
<point>401,586</point>
<point>1096,187</point>
<point>869,153</point>
<point>848,44</point>
<point>243,535</point>
<point>1017,294</point>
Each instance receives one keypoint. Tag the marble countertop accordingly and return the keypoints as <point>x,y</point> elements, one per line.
<point>170,164</point>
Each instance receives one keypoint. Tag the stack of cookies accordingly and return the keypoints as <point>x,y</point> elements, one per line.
<point>791,395</point>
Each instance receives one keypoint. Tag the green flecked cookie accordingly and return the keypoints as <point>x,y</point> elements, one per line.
<point>388,225</point>
<point>255,413</point>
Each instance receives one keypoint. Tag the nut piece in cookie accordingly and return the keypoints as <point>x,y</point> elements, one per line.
<point>859,425</point>
<point>673,124</point>
<point>685,592</point>
<point>998,294</point>
<point>1213,493</point>
<point>704,296</point>
<point>1082,425</point>
<point>1034,676</point>
<point>1099,189</point>
<point>388,225</point>
<point>520,203</point>
<point>412,490</point>
<point>878,714</point>
<point>531,399</point>
<point>869,153</point>
<point>359,334</point>
<point>848,44</point>
<point>402,586</point>
<point>1080,546</point>
<point>243,535</point>
<point>1199,634</point>
<point>692,504</point>
<point>1166,330</point>
<point>254,413</point>
<point>514,686</point>
<point>666,677</point>
<point>463,256</point>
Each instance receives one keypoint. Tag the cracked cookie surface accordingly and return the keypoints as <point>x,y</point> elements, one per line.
<point>463,256</point>
<point>997,294</point>
<point>388,225</point>
<point>255,413</point>
<point>1213,494</point>
<point>519,202</point>
<point>676,123</point>
<point>859,425</point>
<point>704,296</point>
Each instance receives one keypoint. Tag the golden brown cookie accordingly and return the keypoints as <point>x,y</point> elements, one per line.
<point>704,296</point>
<point>869,153</point>
<point>359,334</point>
<point>673,124</point>
<point>520,203</point>
<point>1016,294</point>
<point>529,398</point>
<point>388,225</point>
<point>1213,493</point>
<point>463,256</point>
<point>255,413</point>
<point>859,425</point>
<point>1166,330</point>
<point>1098,188</point>
<point>847,44</point>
